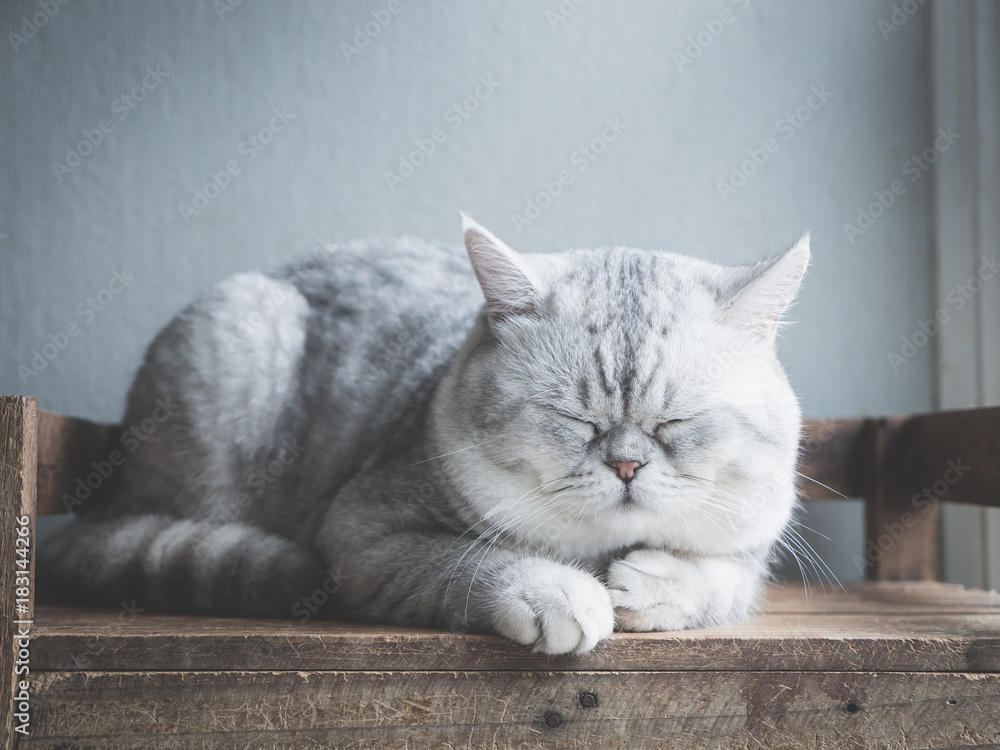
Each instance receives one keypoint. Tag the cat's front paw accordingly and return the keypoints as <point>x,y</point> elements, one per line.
<point>552,606</point>
<point>654,590</point>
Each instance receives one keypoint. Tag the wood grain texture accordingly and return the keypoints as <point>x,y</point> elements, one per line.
<point>945,439</point>
<point>514,709</point>
<point>67,448</point>
<point>829,456</point>
<point>888,627</point>
<point>908,467</point>
<point>901,526</point>
<point>18,451</point>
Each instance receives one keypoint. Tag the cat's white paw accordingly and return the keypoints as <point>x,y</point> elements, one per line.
<point>654,590</point>
<point>554,607</point>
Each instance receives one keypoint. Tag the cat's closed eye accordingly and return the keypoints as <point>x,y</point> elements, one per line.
<point>585,428</point>
<point>671,424</point>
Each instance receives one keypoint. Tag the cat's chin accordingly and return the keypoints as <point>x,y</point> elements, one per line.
<point>627,501</point>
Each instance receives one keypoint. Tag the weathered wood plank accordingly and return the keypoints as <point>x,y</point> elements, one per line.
<point>880,597</point>
<point>963,446</point>
<point>901,526</point>
<point>18,451</point>
<point>505,709</point>
<point>912,465</point>
<point>885,626</point>
<point>829,457</point>
<point>916,453</point>
<point>67,449</point>
<point>831,452</point>
<point>68,446</point>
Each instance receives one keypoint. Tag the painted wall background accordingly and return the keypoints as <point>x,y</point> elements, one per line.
<point>811,106</point>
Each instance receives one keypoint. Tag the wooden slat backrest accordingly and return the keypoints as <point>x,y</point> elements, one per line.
<point>72,450</point>
<point>903,467</point>
<point>68,449</point>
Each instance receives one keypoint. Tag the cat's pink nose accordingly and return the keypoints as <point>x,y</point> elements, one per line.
<point>626,469</point>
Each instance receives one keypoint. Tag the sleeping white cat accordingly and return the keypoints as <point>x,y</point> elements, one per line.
<point>584,451</point>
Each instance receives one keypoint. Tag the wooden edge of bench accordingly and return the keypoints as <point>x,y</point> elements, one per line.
<point>18,455</point>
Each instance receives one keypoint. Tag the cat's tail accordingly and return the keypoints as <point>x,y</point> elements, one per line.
<point>159,562</point>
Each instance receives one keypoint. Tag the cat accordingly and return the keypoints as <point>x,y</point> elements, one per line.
<point>609,441</point>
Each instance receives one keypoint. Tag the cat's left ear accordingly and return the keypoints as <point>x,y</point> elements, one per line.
<point>765,299</point>
<point>504,276</point>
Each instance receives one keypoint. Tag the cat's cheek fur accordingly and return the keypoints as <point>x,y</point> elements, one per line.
<point>554,607</point>
<point>654,590</point>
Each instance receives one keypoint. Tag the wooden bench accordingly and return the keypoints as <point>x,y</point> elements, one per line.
<point>898,661</point>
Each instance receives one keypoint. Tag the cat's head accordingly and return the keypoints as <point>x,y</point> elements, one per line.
<point>619,397</point>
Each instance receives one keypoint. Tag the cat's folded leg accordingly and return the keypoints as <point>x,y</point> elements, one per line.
<point>655,590</point>
<point>433,580</point>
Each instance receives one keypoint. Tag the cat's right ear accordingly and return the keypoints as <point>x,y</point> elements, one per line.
<point>503,275</point>
<point>763,302</point>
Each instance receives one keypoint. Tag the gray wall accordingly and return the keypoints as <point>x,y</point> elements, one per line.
<point>560,77</point>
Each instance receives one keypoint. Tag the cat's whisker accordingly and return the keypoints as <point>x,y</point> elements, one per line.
<point>542,393</point>
<point>489,548</point>
<point>831,576</point>
<point>491,535</point>
<point>798,562</point>
<point>460,450</point>
<point>553,508</point>
<point>796,545</point>
<point>825,487</point>
<point>715,520</point>
<point>804,560</point>
<point>483,536</point>
<point>796,522</point>
<point>802,550</point>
